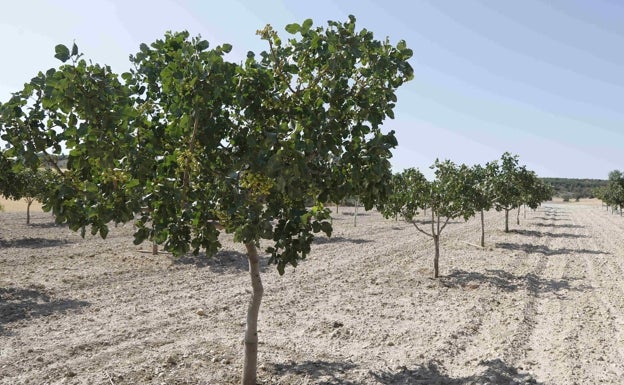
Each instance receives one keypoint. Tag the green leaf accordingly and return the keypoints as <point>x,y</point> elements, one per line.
<point>307,24</point>
<point>62,53</point>
<point>326,227</point>
<point>226,48</point>
<point>103,231</point>
<point>203,45</point>
<point>293,28</point>
<point>74,50</point>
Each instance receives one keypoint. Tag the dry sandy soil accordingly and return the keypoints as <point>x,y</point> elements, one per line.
<point>543,304</point>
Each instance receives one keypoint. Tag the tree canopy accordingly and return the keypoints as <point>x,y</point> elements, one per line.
<point>187,141</point>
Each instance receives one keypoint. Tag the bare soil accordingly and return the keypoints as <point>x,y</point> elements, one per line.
<point>543,304</point>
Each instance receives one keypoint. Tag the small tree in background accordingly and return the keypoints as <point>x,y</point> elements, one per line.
<point>446,197</point>
<point>534,190</point>
<point>481,192</point>
<point>514,186</point>
<point>507,186</point>
<point>614,193</point>
<point>33,185</point>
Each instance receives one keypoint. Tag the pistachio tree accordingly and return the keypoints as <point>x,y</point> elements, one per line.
<point>481,192</point>
<point>613,195</point>
<point>534,191</point>
<point>507,186</point>
<point>191,144</point>
<point>447,197</point>
<point>515,185</point>
<point>33,185</point>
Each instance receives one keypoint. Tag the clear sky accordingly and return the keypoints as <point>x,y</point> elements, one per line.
<point>541,79</point>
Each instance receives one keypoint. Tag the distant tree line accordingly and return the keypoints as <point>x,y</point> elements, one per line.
<point>571,188</point>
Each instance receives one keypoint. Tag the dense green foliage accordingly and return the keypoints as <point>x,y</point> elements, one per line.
<point>195,139</point>
<point>613,193</point>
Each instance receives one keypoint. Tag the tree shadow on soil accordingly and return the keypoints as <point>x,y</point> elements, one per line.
<point>530,248</point>
<point>509,282</point>
<point>496,372</point>
<point>325,240</point>
<point>534,233</point>
<point>18,304</point>
<point>225,261</point>
<point>562,225</point>
<point>47,225</point>
<point>321,372</point>
<point>352,213</point>
<point>552,218</point>
<point>32,243</point>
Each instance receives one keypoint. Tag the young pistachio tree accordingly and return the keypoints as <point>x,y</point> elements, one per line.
<point>447,197</point>
<point>33,185</point>
<point>514,185</point>
<point>507,186</point>
<point>481,193</point>
<point>534,191</point>
<point>614,192</point>
<point>195,143</point>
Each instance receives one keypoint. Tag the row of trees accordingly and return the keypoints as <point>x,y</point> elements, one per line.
<point>613,193</point>
<point>187,142</point>
<point>460,191</point>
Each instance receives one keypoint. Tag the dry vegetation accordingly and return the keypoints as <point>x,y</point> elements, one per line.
<point>543,304</point>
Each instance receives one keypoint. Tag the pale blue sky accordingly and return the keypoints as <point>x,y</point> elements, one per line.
<point>541,79</point>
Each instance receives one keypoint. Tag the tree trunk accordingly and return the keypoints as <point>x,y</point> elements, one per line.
<point>518,216</point>
<point>506,220</point>
<point>436,242</point>
<point>482,230</point>
<point>357,202</point>
<point>29,202</point>
<point>436,258</point>
<point>250,364</point>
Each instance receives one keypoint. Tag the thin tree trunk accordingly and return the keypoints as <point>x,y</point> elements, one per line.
<point>436,258</point>
<point>506,220</point>
<point>250,364</point>
<point>29,202</point>
<point>436,242</point>
<point>518,216</point>
<point>357,202</point>
<point>482,230</point>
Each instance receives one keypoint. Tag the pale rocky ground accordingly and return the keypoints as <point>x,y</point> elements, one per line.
<point>543,304</point>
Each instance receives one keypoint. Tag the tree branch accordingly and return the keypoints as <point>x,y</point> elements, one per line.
<point>421,230</point>
<point>445,223</point>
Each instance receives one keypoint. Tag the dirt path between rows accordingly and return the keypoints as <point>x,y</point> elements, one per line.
<point>543,304</point>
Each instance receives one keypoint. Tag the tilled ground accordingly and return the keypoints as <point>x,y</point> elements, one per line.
<point>543,304</point>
